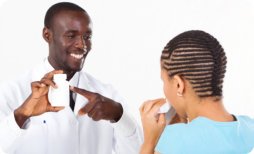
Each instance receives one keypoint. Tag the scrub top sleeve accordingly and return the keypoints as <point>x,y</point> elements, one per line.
<point>162,145</point>
<point>171,140</point>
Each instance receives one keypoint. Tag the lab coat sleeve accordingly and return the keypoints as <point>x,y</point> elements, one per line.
<point>127,133</point>
<point>10,99</point>
<point>9,133</point>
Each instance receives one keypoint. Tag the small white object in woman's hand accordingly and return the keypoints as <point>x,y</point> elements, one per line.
<point>164,108</point>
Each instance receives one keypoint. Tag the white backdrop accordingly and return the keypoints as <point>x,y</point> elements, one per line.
<point>128,37</point>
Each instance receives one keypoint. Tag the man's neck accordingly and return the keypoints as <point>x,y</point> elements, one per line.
<point>69,73</point>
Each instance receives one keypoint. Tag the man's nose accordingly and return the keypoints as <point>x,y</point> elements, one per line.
<point>81,43</point>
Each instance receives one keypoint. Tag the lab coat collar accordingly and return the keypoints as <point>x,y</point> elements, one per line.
<point>83,83</point>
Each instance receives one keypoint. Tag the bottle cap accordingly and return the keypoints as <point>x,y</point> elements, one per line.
<point>60,77</point>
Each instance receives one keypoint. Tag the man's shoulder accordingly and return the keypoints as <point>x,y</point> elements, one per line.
<point>23,76</point>
<point>93,81</point>
<point>18,80</point>
<point>14,91</point>
<point>97,86</point>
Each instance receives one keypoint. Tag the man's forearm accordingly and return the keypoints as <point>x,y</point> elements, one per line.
<point>23,112</point>
<point>20,117</point>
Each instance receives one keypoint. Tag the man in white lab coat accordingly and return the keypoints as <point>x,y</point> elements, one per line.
<point>96,122</point>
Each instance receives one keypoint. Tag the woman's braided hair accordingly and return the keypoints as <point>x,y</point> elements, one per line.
<point>199,58</point>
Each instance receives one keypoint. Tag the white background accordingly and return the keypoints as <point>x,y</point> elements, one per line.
<point>128,37</point>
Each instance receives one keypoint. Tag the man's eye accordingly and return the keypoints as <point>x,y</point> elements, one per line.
<point>87,37</point>
<point>70,36</point>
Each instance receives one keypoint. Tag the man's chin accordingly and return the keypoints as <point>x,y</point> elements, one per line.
<point>76,68</point>
<point>71,70</point>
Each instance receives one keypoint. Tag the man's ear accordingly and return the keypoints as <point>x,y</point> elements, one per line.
<point>46,34</point>
<point>180,84</point>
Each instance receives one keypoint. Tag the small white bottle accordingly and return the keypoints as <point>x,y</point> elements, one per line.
<point>59,96</point>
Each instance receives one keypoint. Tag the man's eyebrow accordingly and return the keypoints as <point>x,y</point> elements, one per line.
<point>89,32</point>
<point>71,31</point>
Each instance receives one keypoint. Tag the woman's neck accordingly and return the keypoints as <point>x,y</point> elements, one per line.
<point>210,109</point>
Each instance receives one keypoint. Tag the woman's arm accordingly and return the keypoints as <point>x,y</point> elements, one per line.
<point>153,124</point>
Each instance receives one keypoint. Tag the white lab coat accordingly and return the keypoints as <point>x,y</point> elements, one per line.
<point>64,132</point>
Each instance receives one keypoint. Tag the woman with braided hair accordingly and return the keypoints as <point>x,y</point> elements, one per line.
<point>193,65</point>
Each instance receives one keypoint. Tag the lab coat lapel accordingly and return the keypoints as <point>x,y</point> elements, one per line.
<point>83,84</point>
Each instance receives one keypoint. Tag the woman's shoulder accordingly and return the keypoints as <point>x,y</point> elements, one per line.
<point>244,118</point>
<point>245,123</point>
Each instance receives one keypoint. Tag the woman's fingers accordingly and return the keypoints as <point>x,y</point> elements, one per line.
<point>162,119</point>
<point>151,105</point>
<point>156,107</point>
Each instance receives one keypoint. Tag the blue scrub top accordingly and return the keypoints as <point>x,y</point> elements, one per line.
<point>205,136</point>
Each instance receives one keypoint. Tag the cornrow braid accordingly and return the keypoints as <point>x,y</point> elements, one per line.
<point>198,57</point>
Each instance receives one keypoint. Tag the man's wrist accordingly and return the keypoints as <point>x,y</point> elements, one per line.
<point>20,117</point>
<point>119,113</point>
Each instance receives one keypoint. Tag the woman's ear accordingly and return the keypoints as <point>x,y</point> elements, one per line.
<point>180,85</point>
<point>46,34</point>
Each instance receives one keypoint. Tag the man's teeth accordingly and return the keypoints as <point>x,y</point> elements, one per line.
<point>77,56</point>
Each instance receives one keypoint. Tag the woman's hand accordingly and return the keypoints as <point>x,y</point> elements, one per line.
<point>153,124</point>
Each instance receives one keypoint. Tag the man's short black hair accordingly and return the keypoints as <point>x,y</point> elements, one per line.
<point>58,7</point>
